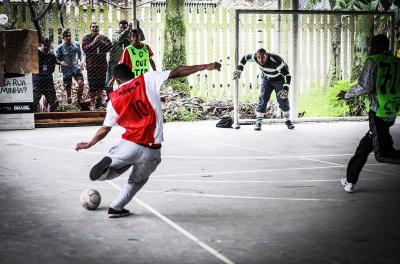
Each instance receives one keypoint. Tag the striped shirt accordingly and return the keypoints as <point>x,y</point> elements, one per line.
<point>275,69</point>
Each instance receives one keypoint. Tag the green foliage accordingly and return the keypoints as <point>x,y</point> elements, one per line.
<point>189,114</point>
<point>352,107</point>
<point>337,107</point>
<point>318,103</point>
<point>179,85</point>
<point>174,42</point>
<point>356,5</point>
<point>184,114</point>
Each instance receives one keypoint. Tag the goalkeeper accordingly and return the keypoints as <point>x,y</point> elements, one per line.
<point>274,76</point>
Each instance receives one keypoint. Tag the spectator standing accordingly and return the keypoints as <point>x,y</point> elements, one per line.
<point>95,46</point>
<point>69,56</point>
<point>138,56</point>
<point>120,40</point>
<point>43,83</point>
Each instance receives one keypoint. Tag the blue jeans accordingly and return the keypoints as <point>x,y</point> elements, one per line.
<point>267,87</point>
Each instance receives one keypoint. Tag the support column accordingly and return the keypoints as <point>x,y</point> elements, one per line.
<point>294,25</point>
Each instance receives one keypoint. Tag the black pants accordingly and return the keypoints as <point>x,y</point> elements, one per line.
<point>378,140</point>
<point>44,86</point>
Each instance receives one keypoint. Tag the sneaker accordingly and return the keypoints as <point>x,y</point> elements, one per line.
<point>112,213</point>
<point>289,124</point>
<point>348,187</point>
<point>100,168</point>
<point>257,126</point>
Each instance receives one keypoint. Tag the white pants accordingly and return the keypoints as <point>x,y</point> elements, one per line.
<point>143,160</point>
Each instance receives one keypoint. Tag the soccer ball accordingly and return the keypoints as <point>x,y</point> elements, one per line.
<point>90,199</point>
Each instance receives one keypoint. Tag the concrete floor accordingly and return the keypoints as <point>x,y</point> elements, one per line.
<point>219,196</point>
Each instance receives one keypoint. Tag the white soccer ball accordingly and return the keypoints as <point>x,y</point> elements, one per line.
<point>90,199</point>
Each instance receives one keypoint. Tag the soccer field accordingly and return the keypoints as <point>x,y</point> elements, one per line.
<point>218,196</point>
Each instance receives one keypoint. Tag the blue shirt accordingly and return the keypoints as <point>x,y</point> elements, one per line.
<point>70,55</point>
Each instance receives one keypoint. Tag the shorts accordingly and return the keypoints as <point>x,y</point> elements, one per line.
<point>68,79</point>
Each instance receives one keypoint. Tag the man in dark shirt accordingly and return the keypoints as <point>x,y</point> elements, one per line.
<point>96,46</point>
<point>43,82</point>
<point>120,40</point>
<point>274,76</point>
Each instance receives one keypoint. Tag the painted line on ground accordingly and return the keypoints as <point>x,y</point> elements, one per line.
<point>236,146</point>
<point>186,156</point>
<point>321,161</point>
<point>273,181</point>
<point>249,197</point>
<point>244,171</point>
<point>52,148</point>
<point>178,228</point>
<point>381,172</point>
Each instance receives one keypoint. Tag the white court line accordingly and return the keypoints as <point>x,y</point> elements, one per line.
<point>244,171</point>
<point>186,156</point>
<point>381,172</point>
<point>249,197</point>
<point>178,228</point>
<point>326,162</point>
<point>272,181</point>
<point>52,148</point>
<point>236,146</point>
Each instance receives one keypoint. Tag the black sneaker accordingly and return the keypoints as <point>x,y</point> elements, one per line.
<point>115,214</point>
<point>99,169</point>
<point>257,126</point>
<point>289,124</point>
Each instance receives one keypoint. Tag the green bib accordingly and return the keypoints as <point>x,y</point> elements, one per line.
<point>140,59</point>
<point>387,85</point>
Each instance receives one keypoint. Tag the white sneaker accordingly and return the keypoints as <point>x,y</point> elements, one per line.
<point>348,187</point>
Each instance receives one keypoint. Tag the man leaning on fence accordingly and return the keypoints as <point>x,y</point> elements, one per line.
<point>380,80</point>
<point>96,46</point>
<point>43,83</point>
<point>69,55</point>
<point>120,40</point>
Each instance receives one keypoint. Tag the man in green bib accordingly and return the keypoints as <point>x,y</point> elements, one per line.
<point>380,79</point>
<point>138,56</point>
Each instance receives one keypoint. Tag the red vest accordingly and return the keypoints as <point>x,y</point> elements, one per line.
<point>135,112</point>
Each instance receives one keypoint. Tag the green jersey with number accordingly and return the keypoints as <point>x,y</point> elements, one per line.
<point>387,85</point>
<point>140,59</point>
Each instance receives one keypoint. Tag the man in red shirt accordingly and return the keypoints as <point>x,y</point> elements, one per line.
<point>135,106</point>
<point>138,56</point>
<point>96,47</point>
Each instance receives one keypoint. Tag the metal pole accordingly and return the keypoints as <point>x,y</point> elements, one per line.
<point>293,90</point>
<point>236,90</point>
<point>135,24</point>
<point>279,27</point>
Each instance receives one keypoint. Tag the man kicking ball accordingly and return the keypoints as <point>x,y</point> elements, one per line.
<point>380,79</point>
<point>135,106</point>
<point>274,76</point>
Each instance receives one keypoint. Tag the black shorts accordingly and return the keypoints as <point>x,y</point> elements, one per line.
<point>97,83</point>
<point>77,76</point>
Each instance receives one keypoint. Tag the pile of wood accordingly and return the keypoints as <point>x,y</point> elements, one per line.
<point>173,103</point>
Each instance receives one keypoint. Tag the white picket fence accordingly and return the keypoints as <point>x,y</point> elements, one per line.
<point>210,37</point>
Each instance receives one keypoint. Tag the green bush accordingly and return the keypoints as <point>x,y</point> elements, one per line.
<point>353,107</point>
<point>189,115</point>
<point>179,85</point>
